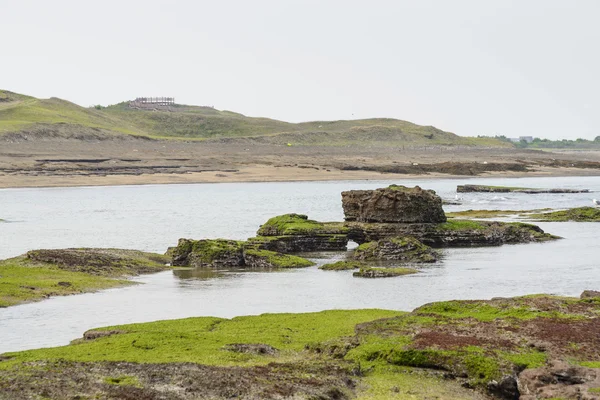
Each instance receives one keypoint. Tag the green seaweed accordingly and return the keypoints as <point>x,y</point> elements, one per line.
<point>342,265</point>
<point>580,214</point>
<point>278,260</point>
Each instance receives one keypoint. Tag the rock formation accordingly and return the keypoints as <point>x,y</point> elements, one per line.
<point>290,233</point>
<point>508,189</point>
<point>455,233</point>
<point>395,204</point>
<point>403,249</point>
<point>221,253</point>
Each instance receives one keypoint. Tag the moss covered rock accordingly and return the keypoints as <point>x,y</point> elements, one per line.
<point>221,253</point>
<point>214,253</point>
<point>404,249</point>
<point>256,258</point>
<point>291,233</point>
<point>342,265</point>
<point>580,214</point>
<point>103,262</point>
<point>454,233</point>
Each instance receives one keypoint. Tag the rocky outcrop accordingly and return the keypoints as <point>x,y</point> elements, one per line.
<point>559,380</point>
<point>508,189</point>
<point>404,249</point>
<point>590,294</point>
<point>101,262</point>
<point>221,253</point>
<point>455,233</point>
<point>292,233</point>
<point>394,204</point>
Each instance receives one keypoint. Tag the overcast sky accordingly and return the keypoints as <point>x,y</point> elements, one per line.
<point>473,67</point>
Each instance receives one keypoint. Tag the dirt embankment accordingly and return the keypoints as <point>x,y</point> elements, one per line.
<point>97,159</point>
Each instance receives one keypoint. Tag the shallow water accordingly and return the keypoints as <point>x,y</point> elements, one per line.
<point>153,217</point>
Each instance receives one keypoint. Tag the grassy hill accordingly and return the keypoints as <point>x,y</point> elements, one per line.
<point>25,115</point>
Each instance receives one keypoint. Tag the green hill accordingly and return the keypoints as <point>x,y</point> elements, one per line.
<point>24,115</point>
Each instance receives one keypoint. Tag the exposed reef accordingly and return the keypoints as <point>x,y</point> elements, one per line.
<point>528,348</point>
<point>43,273</point>
<point>380,272</point>
<point>580,214</point>
<point>222,253</point>
<point>404,249</point>
<point>454,233</point>
<point>507,189</point>
<point>396,204</point>
<point>421,208</point>
<point>342,265</point>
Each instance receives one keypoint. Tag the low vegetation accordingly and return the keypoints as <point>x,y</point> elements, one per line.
<point>59,118</point>
<point>489,346</point>
<point>44,273</point>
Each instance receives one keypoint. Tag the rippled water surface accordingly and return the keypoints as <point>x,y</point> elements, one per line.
<point>154,217</point>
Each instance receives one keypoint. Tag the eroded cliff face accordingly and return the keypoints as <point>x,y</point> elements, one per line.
<point>394,204</point>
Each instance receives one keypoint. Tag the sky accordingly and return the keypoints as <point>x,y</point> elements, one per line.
<point>472,67</point>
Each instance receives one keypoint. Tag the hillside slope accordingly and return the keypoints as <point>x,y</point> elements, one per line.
<point>27,117</point>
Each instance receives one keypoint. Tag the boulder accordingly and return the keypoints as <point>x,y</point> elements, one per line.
<point>396,204</point>
<point>404,249</point>
<point>590,294</point>
<point>559,380</point>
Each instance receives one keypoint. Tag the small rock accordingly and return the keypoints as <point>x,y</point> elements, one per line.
<point>590,294</point>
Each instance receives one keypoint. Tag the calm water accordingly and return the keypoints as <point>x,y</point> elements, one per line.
<point>154,217</point>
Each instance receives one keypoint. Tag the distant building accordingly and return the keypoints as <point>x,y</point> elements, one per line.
<point>153,103</point>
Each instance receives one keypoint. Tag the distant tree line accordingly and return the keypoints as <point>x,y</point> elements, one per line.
<point>538,143</point>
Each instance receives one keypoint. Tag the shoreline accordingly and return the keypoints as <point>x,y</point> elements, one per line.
<point>261,174</point>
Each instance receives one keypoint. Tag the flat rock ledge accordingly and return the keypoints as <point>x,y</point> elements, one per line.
<point>507,189</point>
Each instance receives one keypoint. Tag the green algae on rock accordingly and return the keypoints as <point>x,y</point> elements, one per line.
<point>454,233</point>
<point>255,258</point>
<point>43,273</point>
<point>404,249</point>
<point>343,265</point>
<point>505,348</point>
<point>222,253</point>
<point>580,214</point>
<point>381,272</point>
<point>291,233</point>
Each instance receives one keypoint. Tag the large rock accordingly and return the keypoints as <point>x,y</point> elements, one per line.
<point>397,204</point>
